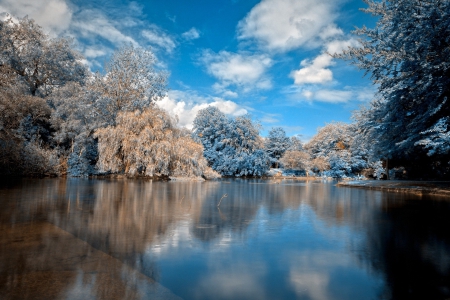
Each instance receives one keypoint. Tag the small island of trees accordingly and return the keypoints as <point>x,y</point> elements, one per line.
<point>59,119</point>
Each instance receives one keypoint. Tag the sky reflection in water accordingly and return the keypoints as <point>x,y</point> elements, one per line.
<point>125,239</point>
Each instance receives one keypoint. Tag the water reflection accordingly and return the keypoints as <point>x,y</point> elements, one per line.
<point>137,239</point>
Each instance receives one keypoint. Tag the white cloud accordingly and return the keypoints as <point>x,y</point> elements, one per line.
<point>185,106</point>
<point>159,38</point>
<point>337,46</point>
<point>95,51</point>
<point>242,70</point>
<point>191,34</point>
<point>315,71</point>
<point>333,96</point>
<point>230,94</point>
<point>92,23</point>
<point>54,16</point>
<point>331,31</point>
<point>283,25</point>
<point>348,94</point>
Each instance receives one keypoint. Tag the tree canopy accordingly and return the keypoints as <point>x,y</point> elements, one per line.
<point>407,55</point>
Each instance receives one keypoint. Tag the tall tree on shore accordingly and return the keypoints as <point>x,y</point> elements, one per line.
<point>407,55</point>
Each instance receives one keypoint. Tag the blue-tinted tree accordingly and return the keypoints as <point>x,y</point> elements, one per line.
<point>276,144</point>
<point>232,146</point>
<point>408,56</point>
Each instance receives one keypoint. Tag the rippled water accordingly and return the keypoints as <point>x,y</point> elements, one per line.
<point>137,239</point>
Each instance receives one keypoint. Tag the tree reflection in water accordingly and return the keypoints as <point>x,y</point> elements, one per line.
<point>133,239</point>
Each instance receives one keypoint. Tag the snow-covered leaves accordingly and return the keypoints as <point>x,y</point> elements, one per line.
<point>276,144</point>
<point>232,146</point>
<point>40,62</point>
<point>335,147</point>
<point>407,55</point>
<point>131,81</point>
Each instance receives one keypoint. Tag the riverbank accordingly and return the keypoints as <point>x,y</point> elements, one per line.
<point>438,188</point>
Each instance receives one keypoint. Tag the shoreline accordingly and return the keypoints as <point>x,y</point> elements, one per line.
<point>434,188</point>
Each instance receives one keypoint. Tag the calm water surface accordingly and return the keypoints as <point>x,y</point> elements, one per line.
<point>136,239</point>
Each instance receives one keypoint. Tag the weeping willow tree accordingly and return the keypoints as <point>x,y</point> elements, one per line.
<point>148,143</point>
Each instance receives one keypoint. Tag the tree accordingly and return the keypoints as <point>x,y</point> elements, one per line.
<point>296,160</point>
<point>295,144</point>
<point>335,147</point>
<point>408,57</point>
<point>41,63</point>
<point>232,146</point>
<point>130,83</point>
<point>276,144</point>
<point>75,117</point>
<point>148,143</point>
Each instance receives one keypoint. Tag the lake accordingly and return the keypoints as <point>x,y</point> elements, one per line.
<point>268,239</point>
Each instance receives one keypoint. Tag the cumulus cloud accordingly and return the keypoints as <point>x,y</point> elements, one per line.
<point>157,37</point>
<point>337,46</point>
<point>185,106</point>
<point>315,71</point>
<point>243,70</point>
<point>54,16</point>
<point>283,25</point>
<point>191,34</point>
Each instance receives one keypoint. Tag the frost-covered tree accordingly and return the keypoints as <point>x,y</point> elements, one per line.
<point>408,56</point>
<point>319,165</point>
<point>276,144</point>
<point>335,144</point>
<point>130,82</point>
<point>22,150</point>
<point>148,143</point>
<point>295,144</point>
<point>232,146</point>
<point>40,62</point>
<point>296,160</point>
<point>75,117</point>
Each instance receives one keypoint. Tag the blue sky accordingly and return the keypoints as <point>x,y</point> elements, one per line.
<point>267,58</point>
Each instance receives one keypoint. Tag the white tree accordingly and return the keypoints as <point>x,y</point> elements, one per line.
<point>335,145</point>
<point>37,60</point>
<point>131,82</point>
<point>276,144</point>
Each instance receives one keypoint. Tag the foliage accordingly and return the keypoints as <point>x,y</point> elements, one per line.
<point>41,63</point>
<point>276,144</point>
<point>131,82</point>
<point>296,160</point>
<point>295,144</point>
<point>232,147</point>
<point>337,148</point>
<point>148,143</point>
<point>407,55</point>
